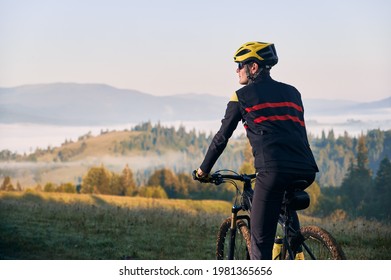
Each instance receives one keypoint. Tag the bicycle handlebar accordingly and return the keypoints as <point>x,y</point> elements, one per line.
<point>217,178</point>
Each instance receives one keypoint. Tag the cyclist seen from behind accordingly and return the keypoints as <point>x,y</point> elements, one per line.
<point>273,116</point>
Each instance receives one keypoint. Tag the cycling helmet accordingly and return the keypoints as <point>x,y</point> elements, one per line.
<point>263,53</point>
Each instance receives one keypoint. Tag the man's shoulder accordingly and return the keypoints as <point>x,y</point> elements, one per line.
<point>238,94</point>
<point>289,86</point>
<point>245,88</point>
<point>234,97</point>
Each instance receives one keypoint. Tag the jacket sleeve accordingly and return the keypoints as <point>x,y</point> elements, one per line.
<point>228,125</point>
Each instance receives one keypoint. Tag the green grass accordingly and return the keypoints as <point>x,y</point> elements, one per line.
<point>65,226</point>
<point>69,226</point>
<point>363,239</point>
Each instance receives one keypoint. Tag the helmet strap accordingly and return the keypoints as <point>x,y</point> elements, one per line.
<point>251,77</point>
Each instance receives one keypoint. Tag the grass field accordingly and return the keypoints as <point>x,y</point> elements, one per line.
<point>47,226</point>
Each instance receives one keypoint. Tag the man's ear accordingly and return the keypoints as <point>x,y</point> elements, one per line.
<point>254,68</point>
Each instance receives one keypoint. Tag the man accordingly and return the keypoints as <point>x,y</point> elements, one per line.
<point>273,115</point>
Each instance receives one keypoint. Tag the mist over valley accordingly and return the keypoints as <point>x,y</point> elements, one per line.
<point>57,117</point>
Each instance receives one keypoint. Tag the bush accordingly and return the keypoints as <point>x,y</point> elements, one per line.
<point>152,191</point>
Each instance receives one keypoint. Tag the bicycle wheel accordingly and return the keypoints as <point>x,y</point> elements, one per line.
<point>319,244</point>
<point>242,241</point>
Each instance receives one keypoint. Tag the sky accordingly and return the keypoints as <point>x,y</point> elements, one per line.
<point>327,49</point>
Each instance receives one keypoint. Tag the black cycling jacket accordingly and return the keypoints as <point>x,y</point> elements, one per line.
<point>273,115</point>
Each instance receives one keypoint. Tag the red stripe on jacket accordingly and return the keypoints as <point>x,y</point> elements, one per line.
<point>274,105</point>
<point>279,118</point>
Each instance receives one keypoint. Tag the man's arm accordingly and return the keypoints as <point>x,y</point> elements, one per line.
<point>228,125</point>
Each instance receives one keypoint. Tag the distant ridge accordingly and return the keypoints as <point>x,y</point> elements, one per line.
<point>100,104</point>
<point>94,104</point>
<point>316,107</point>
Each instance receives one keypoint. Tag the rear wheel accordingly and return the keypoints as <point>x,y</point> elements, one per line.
<point>321,244</point>
<point>242,241</point>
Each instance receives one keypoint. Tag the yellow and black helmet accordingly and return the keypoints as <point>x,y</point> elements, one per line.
<point>263,53</point>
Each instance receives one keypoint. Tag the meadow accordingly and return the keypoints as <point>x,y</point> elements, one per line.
<point>52,226</point>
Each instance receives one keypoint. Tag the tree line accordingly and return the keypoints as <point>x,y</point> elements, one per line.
<point>163,183</point>
<point>354,172</point>
<point>335,154</point>
<point>332,153</point>
<point>360,194</point>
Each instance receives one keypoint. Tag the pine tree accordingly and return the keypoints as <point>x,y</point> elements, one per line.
<point>357,184</point>
<point>362,155</point>
<point>7,184</point>
<point>127,182</point>
<point>381,195</point>
<point>169,182</point>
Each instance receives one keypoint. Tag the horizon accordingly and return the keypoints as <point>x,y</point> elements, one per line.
<point>48,135</point>
<point>178,94</point>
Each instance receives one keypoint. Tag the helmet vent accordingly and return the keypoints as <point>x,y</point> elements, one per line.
<point>243,52</point>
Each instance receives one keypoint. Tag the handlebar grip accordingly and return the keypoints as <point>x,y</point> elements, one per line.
<point>206,179</point>
<point>195,175</point>
<point>198,178</point>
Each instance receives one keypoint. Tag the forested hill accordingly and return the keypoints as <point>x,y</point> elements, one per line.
<point>146,148</point>
<point>335,155</point>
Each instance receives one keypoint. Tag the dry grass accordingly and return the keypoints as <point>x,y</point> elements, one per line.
<point>95,146</point>
<point>360,239</point>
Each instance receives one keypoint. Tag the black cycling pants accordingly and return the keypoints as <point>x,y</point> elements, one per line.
<point>266,205</point>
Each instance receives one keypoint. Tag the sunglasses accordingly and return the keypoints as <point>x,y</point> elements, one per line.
<point>241,65</point>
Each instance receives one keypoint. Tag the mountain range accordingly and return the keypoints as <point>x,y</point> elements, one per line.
<point>99,104</point>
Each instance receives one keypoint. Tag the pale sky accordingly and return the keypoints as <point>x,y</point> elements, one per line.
<point>328,49</point>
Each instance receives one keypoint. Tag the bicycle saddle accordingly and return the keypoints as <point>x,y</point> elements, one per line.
<point>296,198</point>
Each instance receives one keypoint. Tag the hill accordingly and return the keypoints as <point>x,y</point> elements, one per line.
<point>144,149</point>
<point>325,107</point>
<point>148,147</point>
<point>99,104</point>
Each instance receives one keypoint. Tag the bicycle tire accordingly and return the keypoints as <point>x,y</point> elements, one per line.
<point>242,241</point>
<point>321,243</point>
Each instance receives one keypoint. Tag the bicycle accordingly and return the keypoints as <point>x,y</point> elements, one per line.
<point>233,239</point>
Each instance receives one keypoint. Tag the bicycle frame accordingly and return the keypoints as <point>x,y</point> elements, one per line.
<point>285,222</point>
<point>293,240</point>
<point>285,219</point>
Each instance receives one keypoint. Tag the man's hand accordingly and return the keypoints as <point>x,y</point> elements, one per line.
<point>201,176</point>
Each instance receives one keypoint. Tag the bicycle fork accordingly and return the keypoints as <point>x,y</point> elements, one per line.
<point>233,229</point>
<point>234,217</point>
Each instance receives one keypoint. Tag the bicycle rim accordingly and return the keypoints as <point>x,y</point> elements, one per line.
<point>242,241</point>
